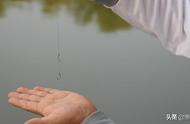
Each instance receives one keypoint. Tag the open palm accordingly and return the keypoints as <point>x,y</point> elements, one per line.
<point>57,106</point>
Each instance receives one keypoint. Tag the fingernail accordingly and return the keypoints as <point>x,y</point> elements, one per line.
<point>10,100</point>
<point>9,95</point>
<point>21,88</point>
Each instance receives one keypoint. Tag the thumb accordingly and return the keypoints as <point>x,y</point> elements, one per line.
<point>43,120</point>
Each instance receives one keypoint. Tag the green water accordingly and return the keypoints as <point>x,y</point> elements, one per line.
<point>126,72</point>
<point>83,11</point>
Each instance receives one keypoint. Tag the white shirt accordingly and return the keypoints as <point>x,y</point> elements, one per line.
<point>168,20</point>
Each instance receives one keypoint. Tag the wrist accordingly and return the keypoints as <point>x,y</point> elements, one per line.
<point>84,112</point>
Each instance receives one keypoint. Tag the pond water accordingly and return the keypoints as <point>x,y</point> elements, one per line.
<point>126,72</point>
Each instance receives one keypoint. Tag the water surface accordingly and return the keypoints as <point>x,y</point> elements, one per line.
<point>126,72</point>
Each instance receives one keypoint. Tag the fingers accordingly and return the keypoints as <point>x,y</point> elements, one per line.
<point>33,98</point>
<point>40,91</point>
<point>24,90</point>
<point>36,121</point>
<point>49,90</point>
<point>44,120</point>
<point>24,104</point>
<point>35,94</point>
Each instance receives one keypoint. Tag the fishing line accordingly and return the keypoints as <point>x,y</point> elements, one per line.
<point>59,55</point>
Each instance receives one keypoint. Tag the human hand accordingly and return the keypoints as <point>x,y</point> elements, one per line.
<point>56,106</point>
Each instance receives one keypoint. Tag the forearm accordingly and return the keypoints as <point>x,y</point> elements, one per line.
<point>98,117</point>
<point>168,20</point>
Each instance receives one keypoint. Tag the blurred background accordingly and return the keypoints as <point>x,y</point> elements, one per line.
<point>126,72</point>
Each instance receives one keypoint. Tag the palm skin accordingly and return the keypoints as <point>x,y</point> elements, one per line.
<point>56,106</point>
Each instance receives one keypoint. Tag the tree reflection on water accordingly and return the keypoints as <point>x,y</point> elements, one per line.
<point>84,12</point>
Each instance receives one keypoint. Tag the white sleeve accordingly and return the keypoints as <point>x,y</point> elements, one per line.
<point>168,20</point>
